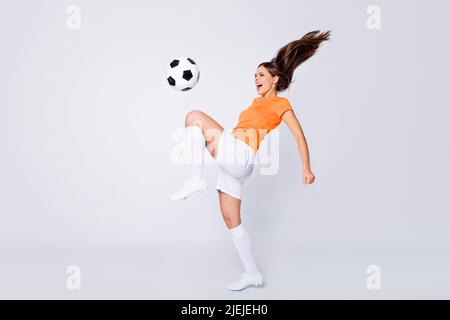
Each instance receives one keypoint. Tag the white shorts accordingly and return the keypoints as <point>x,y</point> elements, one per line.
<point>235,159</point>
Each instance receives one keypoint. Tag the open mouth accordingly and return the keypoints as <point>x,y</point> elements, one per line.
<point>258,86</point>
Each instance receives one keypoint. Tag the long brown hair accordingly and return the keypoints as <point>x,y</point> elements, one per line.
<point>292,55</point>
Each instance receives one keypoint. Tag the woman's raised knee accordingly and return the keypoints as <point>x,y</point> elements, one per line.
<point>192,117</point>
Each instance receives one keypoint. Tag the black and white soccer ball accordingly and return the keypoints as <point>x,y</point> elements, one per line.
<point>182,74</point>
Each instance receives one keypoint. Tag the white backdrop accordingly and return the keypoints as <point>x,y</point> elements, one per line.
<point>86,120</point>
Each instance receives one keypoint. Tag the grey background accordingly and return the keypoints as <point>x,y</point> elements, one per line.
<point>86,119</point>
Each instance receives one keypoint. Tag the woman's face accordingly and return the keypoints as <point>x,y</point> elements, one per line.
<point>264,81</point>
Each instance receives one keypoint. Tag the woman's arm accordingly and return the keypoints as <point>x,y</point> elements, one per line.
<point>292,122</point>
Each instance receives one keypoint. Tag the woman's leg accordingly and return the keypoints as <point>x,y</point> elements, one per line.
<point>201,131</point>
<point>211,129</point>
<point>231,213</point>
<point>231,209</point>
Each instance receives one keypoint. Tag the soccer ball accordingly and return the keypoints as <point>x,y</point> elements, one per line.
<point>182,74</point>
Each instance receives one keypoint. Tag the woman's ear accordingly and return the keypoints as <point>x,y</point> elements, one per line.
<point>275,78</point>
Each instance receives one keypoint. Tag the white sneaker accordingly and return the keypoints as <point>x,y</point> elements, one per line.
<point>190,186</point>
<point>245,281</point>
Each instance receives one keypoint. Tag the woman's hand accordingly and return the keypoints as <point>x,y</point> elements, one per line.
<point>308,176</point>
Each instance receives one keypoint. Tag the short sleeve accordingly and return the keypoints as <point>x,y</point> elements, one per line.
<point>282,106</point>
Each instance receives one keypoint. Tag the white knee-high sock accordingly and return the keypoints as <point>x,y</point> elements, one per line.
<point>196,145</point>
<point>241,241</point>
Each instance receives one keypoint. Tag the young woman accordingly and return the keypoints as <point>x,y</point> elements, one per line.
<point>235,151</point>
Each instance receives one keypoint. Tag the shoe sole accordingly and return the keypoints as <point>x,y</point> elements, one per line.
<point>259,284</point>
<point>185,198</point>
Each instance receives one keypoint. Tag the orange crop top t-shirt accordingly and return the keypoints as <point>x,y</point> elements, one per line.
<point>261,117</point>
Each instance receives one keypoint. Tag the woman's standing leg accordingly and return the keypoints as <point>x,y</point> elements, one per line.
<point>201,130</point>
<point>230,208</point>
<point>231,213</point>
